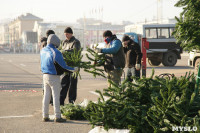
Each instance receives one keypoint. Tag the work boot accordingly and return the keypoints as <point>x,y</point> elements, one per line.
<point>59,120</point>
<point>71,101</point>
<point>51,101</point>
<point>45,119</point>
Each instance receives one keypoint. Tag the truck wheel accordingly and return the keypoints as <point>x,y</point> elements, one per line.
<point>169,59</point>
<point>154,62</point>
<point>197,62</point>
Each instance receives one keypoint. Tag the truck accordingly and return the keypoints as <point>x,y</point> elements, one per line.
<point>162,44</point>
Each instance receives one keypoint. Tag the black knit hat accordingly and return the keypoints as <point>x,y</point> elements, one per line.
<point>125,38</point>
<point>43,39</point>
<point>68,30</point>
<point>107,33</point>
<point>49,32</point>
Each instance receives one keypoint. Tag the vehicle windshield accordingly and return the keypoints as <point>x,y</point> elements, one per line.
<point>159,32</point>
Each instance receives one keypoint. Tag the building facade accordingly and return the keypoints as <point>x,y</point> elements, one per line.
<point>19,25</point>
<point>94,29</point>
<point>94,33</point>
<point>4,34</point>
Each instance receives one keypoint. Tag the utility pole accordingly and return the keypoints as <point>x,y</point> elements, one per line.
<point>159,11</point>
<point>84,33</point>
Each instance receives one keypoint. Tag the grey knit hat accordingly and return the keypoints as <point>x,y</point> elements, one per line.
<point>53,39</point>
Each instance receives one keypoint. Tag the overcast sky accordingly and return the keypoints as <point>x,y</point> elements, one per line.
<point>70,10</point>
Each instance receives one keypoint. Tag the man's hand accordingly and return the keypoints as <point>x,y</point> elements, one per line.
<point>62,51</point>
<point>97,50</point>
<point>95,62</point>
<point>76,69</point>
<point>137,66</point>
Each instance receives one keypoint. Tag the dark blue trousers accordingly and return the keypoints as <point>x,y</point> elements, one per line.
<point>69,85</point>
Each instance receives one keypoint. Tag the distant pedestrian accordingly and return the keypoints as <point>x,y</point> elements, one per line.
<point>43,42</point>
<point>52,65</point>
<point>68,82</point>
<point>133,57</point>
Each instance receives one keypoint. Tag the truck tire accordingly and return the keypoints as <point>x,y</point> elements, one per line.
<point>197,62</point>
<point>154,62</point>
<point>169,59</point>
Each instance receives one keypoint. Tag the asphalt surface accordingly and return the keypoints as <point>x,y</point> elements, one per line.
<point>21,94</point>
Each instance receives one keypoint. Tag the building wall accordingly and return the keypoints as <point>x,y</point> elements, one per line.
<point>4,34</point>
<point>96,36</point>
<point>16,28</point>
<point>27,25</point>
<point>14,31</point>
<point>1,34</point>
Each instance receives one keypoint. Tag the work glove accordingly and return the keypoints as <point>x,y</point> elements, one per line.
<point>97,50</point>
<point>137,66</point>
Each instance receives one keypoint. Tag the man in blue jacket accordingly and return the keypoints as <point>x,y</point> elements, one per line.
<point>52,66</point>
<point>115,58</point>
